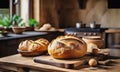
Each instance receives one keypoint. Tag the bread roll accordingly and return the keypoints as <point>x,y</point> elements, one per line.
<point>25,44</point>
<point>92,62</point>
<point>67,47</point>
<point>45,27</point>
<point>52,29</point>
<point>92,48</point>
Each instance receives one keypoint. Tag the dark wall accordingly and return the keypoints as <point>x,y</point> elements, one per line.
<point>4,3</point>
<point>113,3</point>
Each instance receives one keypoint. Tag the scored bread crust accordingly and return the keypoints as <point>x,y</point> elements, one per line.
<point>44,43</point>
<point>23,46</point>
<point>34,46</point>
<point>67,47</point>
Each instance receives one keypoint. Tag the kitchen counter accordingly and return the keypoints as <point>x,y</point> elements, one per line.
<point>25,64</point>
<point>113,30</point>
<point>23,35</point>
<point>10,42</point>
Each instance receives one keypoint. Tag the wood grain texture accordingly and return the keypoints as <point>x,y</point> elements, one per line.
<point>70,63</point>
<point>17,61</point>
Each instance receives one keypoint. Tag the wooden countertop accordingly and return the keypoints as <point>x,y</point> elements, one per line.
<point>17,62</point>
<point>117,30</point>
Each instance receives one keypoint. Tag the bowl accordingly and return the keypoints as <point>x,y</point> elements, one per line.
<point>3,33</point>
<point>18,30</point>
<point>29,54</point>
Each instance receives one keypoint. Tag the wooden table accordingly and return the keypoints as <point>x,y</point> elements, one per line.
<point>25,64</point>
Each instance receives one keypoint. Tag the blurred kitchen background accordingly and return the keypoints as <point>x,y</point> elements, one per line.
<point>63,14</point>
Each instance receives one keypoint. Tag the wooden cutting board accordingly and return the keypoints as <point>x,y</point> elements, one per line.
<point>68,63</point>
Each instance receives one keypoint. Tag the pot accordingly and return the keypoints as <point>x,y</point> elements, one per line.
<point>97,40</point>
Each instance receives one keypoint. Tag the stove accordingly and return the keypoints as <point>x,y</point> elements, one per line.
<point>80,32</point>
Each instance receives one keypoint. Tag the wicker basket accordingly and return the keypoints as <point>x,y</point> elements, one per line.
<point>27,53</point>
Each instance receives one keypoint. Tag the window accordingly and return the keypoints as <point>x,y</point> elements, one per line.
<point>113,4</point>
<point>4,8</point>
<point>82,4</point>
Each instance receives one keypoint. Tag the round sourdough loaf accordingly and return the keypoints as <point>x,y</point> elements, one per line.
<point>67,47</point>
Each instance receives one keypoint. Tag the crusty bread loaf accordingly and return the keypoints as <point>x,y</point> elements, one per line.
<point>67,47</point>
<point>32,46</point>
